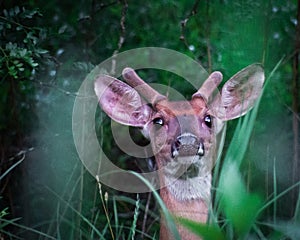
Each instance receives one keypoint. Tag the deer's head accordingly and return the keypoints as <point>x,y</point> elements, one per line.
<point>182,133</point>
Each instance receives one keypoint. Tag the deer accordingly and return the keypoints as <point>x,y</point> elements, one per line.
<point>182,134</point>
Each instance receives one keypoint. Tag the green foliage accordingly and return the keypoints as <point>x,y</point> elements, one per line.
<point>20,51</point>
<point>20,58</point>
<point>207,232</point>
<point>240,207</point>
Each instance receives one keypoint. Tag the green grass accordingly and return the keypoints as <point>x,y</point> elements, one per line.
<point>237,211</point>
<point>87,210</point>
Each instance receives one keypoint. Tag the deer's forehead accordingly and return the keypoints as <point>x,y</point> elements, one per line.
<point>177,108</point>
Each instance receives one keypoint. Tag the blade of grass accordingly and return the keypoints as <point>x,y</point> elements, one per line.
<point>96,217</point>
<point>274,192</point>
<point>78,213</point>
<point>288,229</point>
<point>259,232</point>
<point>12,222</point>
<point>69,191</point>
<point>57,221</point>
<point>279,196</point>
<point>240,207</point>
<point>104,207</point>
<point>135,217</point>
<point>131,201</point>
<point>12,167</point>
<point>11,235</point>
<point>297,210</point>
<point>168,217</point>
<point>116,217</point>
<point>227,199</point>
<point>217,169</point>
<point>244,128</point>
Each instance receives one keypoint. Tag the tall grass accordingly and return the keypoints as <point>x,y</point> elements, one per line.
<point>237,213</point>
<point>5,221</point>
<point>235,210</point>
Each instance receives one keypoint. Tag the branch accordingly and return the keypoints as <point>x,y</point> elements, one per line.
<point>183,22</point>
<point>49,85</point>
<point>122,35</point>
<point>105,5</point>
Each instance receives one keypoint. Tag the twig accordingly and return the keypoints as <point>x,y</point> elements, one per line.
<point>68,93</point>
<point>183,23</point>
<point>21,152</point>
<point>121,38</point>
<point>103,5</point>
<point>12,167</point>
<point>207,33</point>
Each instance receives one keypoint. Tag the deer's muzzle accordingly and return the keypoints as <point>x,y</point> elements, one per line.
<point>187,144</point>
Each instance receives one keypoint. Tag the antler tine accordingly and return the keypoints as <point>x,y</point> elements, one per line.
<point>143,88</point>
<point>210,84</point>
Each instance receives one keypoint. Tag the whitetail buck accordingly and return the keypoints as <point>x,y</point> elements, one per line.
<point>182,133</point>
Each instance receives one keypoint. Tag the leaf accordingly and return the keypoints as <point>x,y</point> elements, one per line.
<point>23,52</point>
<point>240,207</point>
<point>19,28</point>
<point>202,230</point>
<point>5,12</point>
<point>17,10</point>
<point>41,51</point>
<point>11,12</point>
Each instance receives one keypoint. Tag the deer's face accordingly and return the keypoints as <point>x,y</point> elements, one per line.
<point>183,133</point>
<point>182,137</point>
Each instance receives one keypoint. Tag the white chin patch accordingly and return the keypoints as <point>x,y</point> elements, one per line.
<point>188,178</point>
<point>190,188</point>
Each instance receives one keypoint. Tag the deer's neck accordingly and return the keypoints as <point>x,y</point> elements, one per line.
<point>194,208</point>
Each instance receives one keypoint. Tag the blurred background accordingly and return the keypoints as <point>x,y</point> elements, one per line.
<point>47,49</point>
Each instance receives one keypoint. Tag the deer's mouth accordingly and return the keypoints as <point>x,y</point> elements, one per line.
<point>187,151</point>
<point>187,171</point>
<point>184,168</point>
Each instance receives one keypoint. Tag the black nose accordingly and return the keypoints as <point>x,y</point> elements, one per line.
<point>187,145</point>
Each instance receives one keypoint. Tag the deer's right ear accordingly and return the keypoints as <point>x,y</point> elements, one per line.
<point>121,102</point>
<point>240,93</point>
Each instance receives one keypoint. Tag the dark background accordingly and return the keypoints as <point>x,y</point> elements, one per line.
<point>48,47</point>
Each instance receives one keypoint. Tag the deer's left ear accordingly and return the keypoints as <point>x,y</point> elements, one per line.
<point>239,93</point>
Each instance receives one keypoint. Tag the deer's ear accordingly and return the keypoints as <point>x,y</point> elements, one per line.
<point>121,102</point>
<point>239,93</point>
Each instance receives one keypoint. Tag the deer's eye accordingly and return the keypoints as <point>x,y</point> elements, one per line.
<point>158,121</point>
<point>208,121</point>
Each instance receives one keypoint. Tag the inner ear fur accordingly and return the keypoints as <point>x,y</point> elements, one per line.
<point>121,102</point>
<point>239,93</point>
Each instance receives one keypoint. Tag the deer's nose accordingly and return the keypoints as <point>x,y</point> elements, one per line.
<point>187,145</point>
